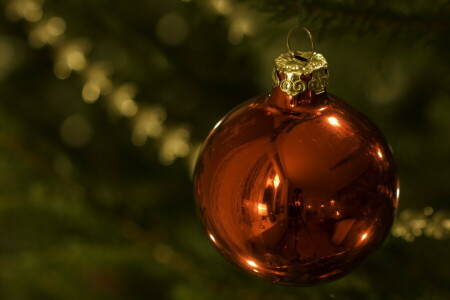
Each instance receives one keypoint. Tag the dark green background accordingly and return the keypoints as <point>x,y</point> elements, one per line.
<point>108,220</point>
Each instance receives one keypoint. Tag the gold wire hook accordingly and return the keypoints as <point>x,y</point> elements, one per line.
<point>288,45</point>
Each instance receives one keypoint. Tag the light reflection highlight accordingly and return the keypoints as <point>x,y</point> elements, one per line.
<point>251,263</point>
<point>333,121</point>
<point>380,155</point>
<point>262,209</point>
<point>212,238</point>
<point>218,124</point>
<point>364,236</point>
<point>276,181</point>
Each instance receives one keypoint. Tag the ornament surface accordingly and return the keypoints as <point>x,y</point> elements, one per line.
<point>296,194</point>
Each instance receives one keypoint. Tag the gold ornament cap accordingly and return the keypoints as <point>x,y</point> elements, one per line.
<point>298,71</point>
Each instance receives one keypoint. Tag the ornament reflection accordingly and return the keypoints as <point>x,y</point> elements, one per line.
<point>287,196</point>
<point>333,121</point>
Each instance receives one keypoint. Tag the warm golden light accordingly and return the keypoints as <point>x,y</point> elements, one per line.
<point>129,108</point>
<point>333,121</point>
<point>30,10</point>
<point>332,202</point>
<point>148,123</point>
<point>338,213</point>
<point>175,143</point>
<point>223,7</point>
<point>218,124</point>
<point>61,70</point>
<point>262,209</point>
<point>90,92</point>
<point>252,263</point>
<point>212,238</point>
<point>276,181</point>
<point>380,155</point>
<point>75,60</point>
<point>364,236</point>
<point>55,26</point>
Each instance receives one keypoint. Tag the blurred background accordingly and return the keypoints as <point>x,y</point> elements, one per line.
<point>104,105</point>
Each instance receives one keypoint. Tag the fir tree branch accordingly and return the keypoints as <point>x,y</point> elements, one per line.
<point>395,15</point>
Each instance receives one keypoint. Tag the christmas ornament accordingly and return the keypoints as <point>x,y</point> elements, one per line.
<point>295,186</point>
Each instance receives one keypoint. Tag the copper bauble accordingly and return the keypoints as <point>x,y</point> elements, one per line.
<point>296,188</point>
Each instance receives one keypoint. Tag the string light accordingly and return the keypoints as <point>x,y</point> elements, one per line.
<point>412,224</point>
<point>240,18</point>
<point>47,32</point>
<point>223,7</point>
<point>71,57</point>
<point>175,143</point>
<point>97,82</point>
<point>121,100</point>
<point>30,10</point>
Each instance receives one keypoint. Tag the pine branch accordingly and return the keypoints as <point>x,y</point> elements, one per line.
<point>396,15</point>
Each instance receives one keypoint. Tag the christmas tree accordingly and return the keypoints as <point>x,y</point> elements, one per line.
<point>105,105</point>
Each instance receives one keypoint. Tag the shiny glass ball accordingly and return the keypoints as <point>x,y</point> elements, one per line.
<point>296,190</point>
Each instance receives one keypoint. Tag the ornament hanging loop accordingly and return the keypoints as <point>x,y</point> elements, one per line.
<point>288,38</point>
